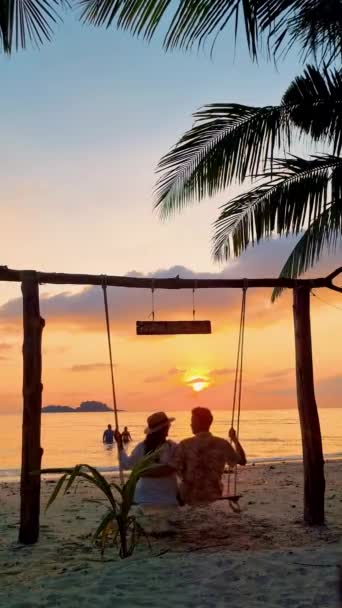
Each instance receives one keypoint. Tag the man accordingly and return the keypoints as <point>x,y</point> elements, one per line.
<point>200,460</point>
<point>108,435</point>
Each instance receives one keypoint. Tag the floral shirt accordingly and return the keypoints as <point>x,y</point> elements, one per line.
<point>200,462</point>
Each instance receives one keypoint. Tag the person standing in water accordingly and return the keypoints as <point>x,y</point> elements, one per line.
<point>108,435</point>
<point>126,435</point>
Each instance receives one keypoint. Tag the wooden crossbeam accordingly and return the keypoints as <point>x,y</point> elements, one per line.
<point>56,278</point>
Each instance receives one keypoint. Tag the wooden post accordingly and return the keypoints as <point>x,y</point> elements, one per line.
<point>32,396</point>
<point>314,482</point>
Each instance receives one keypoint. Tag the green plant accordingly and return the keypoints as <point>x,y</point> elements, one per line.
<point>118,525</point>
<point>236,143</point>
<point>278,24</point>
<point>311,26</point>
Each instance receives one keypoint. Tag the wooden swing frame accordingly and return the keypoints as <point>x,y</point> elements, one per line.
<point>33,324</point>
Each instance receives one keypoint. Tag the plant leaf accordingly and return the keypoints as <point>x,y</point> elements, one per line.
<point>108,517</point>
<point>323,234</point>
<point>190,22</point>
<point>23,21</point>
<point>56,490</point>
<point>232,142</point>
<point>315,24</point>
<point>296,195</point>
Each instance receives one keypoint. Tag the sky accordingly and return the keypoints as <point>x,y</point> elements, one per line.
<point>84,121</point>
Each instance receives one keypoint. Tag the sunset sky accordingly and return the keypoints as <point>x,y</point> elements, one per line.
<point>84,122</point>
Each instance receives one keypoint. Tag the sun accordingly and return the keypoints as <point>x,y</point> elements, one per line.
<point>199,385</point>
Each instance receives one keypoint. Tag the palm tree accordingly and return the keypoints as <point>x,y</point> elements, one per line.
<point>315,24</point>
<point>292,195</point>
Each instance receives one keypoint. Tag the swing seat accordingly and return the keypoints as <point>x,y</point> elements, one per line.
<point>160,328</point>
<point>233,498</point>
<point>233,502</point>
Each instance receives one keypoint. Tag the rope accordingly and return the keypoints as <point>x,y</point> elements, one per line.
<point>237,396</point>
<point>116,418</point>
<point>325,302</point>
<point>152,294</point>
<point>193,301</point>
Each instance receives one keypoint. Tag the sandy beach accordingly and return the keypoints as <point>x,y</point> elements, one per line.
<point>264,556</point>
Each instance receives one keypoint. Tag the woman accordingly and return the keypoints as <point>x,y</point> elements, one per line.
<point>157,487</point>
<point>126,435</point>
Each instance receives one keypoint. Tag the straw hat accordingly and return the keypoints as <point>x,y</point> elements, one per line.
<point>156,422</point>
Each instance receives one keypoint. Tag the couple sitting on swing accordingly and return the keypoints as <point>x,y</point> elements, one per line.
<point>190,472</point>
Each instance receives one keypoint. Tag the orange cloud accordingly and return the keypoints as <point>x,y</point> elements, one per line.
<point>224,371</point>
<point>89,367</point>
<point>84,311</point>
<point>153,379</point>
<point>5,346</point>
<point>75,340</point>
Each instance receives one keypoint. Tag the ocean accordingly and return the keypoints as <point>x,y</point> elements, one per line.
<point>69,439</point>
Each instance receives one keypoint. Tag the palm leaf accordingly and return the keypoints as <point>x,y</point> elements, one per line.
<point>296,195</point>
<point>117,488</point>
<point>101,482</point>
<point>23,21</point>
<point>54,470</point>
<point>323,234</point>
<point>313,25</point>
<point>314,105</point>
<point>228,141</point>
<point>231,141</point>
<point>107,518</point>
<point>56,490</point>
<point>188,22</point>
<point>128,489</point>
<point>72,475</point>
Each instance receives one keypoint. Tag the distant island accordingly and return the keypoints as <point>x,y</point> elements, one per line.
<point>85,406</point>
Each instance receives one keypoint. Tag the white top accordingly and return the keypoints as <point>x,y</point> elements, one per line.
<point>153,490</point>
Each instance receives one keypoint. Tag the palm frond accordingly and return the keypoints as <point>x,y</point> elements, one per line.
<point>128,489</point>
<point>323,235</point>
<point>108,518</point>
<point>231,141</point>
<point>101,482</point>
<point>314,105</point>
<point>228,141</point>
<point>316,24</point>
<point>187,22</point>
<point>313,25</point>
<point>28,21</point>
<point>56,490</point>
<point>80,471</point>
<point>296,195</point>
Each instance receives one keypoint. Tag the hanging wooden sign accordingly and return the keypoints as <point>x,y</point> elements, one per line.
<point>159,328</point>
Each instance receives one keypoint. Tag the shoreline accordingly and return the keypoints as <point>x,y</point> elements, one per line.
<point>13,475</point>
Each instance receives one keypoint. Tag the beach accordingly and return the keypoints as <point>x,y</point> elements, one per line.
<point>264,556</point>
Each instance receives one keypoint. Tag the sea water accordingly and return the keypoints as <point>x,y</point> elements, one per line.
<point>74,438</point>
